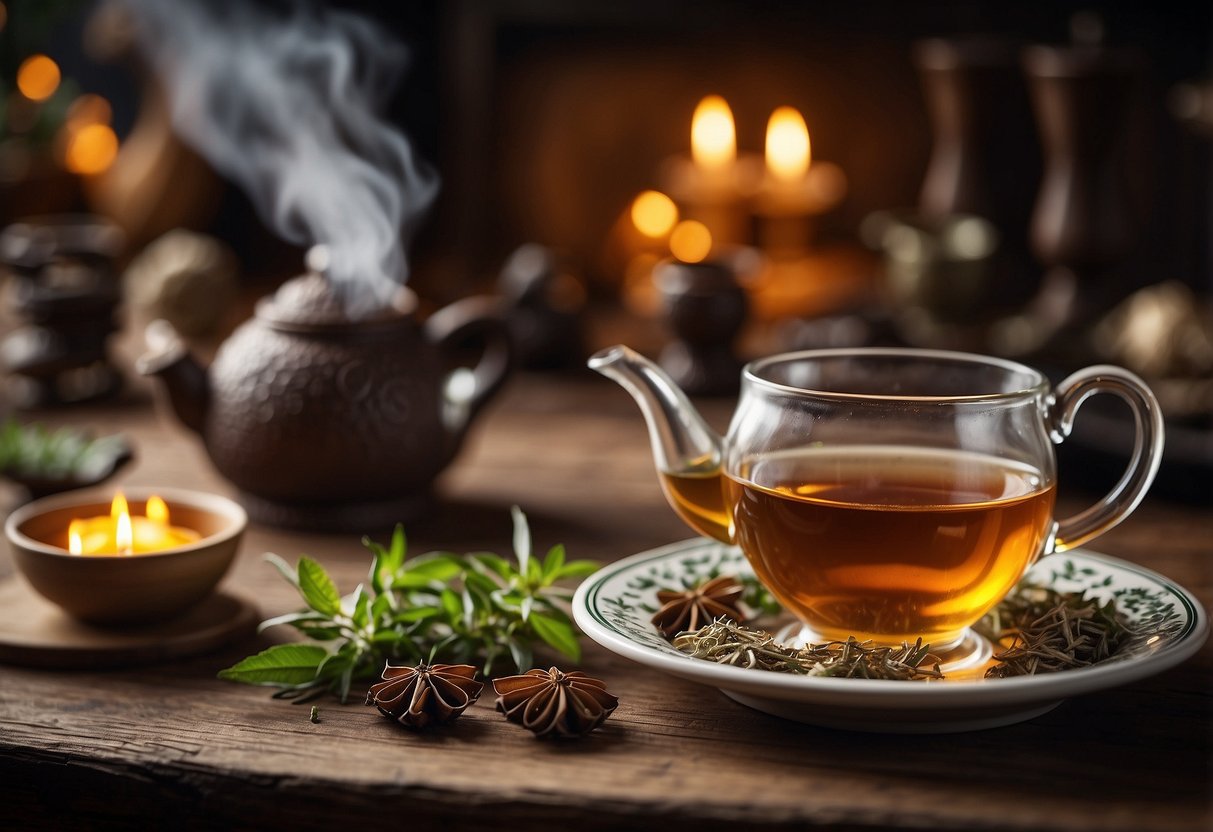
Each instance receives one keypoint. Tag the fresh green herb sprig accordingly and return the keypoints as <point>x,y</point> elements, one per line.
<point>35,452</point>
<point>478,608</point>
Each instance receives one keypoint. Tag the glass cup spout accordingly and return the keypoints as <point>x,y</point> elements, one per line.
<point>687,452</point>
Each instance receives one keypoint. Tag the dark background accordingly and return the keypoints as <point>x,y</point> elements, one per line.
<point>545,117</point>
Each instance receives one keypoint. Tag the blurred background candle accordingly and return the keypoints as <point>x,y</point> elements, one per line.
<point>706,186</point>
<point>714,142</point>
<point>120,533</point>
<point>793,190</point>
<point>788,150</point>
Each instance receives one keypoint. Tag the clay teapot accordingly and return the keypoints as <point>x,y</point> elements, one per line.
<point>329,423</point>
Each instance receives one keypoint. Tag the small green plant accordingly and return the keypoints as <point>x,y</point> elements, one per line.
<point>478,608</point>
<point>35,452</point>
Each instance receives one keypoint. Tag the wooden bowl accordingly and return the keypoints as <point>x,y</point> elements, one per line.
<point>125,589</point>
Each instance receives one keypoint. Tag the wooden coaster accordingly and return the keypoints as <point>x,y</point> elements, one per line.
<point>36,633</point>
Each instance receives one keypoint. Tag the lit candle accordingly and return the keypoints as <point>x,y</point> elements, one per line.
<point>120,533</point>
<point>714,138</point>
<point>707,185</point>
<point>788,151</point>
<point>794,189</point>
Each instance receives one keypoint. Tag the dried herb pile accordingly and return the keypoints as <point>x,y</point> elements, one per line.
<point>726,642</point>
<point>1047,631</point>
<point>1043,631</point>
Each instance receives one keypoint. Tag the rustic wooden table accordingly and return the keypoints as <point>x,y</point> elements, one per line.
<point>171,744</point>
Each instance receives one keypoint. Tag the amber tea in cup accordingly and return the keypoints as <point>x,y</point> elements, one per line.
<point>890,494</point>
<point>907,543</point>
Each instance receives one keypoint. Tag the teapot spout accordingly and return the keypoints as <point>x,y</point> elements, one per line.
<point>185,380</point>
<point>686,450</point>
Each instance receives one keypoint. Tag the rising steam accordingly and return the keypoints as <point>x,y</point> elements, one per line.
<point>286,104</point>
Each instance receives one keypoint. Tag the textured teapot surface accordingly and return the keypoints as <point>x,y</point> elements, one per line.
<point>307,405</point>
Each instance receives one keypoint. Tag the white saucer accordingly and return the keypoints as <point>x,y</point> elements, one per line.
<point>613,607</point>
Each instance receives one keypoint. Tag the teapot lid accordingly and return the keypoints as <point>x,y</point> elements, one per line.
<point>309,302</point>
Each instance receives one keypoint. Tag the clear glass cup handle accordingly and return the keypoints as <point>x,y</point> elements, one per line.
<point>1143,464</point>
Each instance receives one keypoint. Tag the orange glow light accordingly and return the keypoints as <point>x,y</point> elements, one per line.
<point>91,149</point>
<point>713,136</point>
<point>690,241</point>
<point>38,77</point>
<point>788,149</point>
<point>75,533</point>
<point>654,214</point>
<point>89,109</point>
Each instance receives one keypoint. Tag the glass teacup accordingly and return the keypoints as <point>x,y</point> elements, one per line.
<point>887,494</point>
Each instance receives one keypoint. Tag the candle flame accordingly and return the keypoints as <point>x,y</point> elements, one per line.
<point>157,510</point>
<point>690,241</point>
<point>654,214</point>
<point>74,543</point>
<point>124,537</point>
<point>713,136</point>
<point>788,148</point>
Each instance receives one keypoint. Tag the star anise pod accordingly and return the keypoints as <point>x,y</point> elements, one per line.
<point>554,703</point>
<point>694,608</point>
<point>425,694</point>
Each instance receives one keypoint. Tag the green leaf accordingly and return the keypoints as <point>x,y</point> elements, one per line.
<point>556,634</point>
<point>534,572</point>
<point>481,583</point>
<point>282,664</point>
<point>283,567</point>
<point>520,652</point>
<point>376,576</point>
<point>381,606</point>
<point>336,663</point>
<point>386,562</point>
<point>386,637</point>
<point>397,550</point>
<point>522,539</point>
<point>578,569</point>
<point>553,562</point>
<point>362,611</point>
<point>469,608</point>
<point>430,570</point>
<point>482,561</point>
<point>291,618</point>
<point>417,614</point>
<point>318,588</point>
<point>452,605</point>
<point>322,630</point>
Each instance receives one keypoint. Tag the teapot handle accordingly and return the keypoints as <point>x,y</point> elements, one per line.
<point>1143,464</point>
<point>475,320</point>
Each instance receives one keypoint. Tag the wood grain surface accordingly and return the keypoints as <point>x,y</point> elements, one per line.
<point>36,633</point>
<point>171,744</point>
